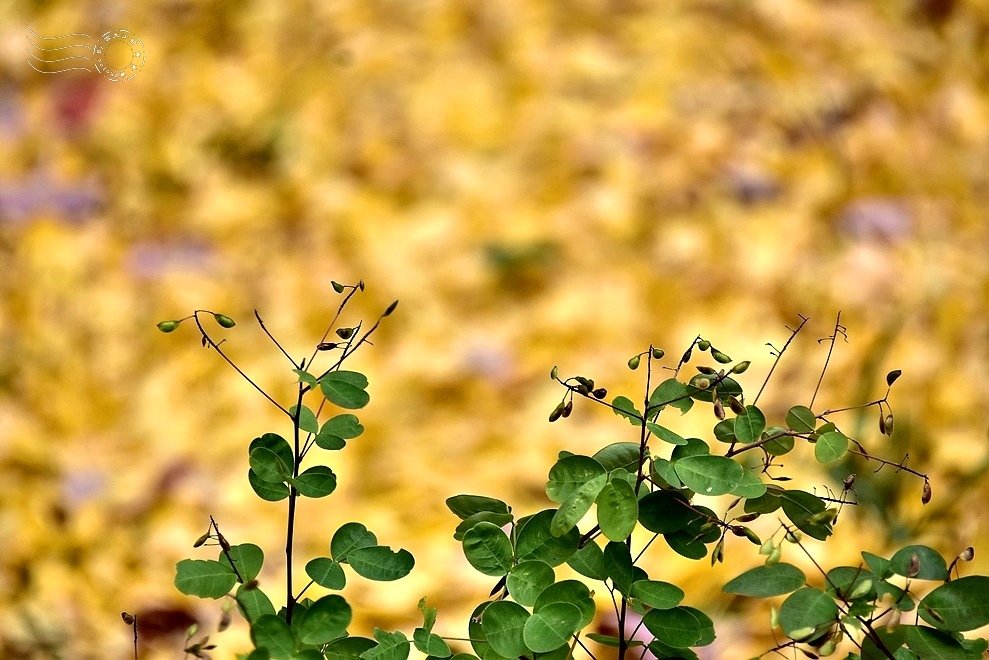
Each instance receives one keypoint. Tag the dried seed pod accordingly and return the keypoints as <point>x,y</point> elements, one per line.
<point>914,566</point>
<point>555,373</point>
<point>224,622</point>
<point>849,481</point>
<point>224,321</point>
<point>718,554</point>
<point>633,362</point>
<point>926,497</point>
<point>557,412</point>
<point>892,376</point>
<point>794,536</point>
<point>748,517</point>
<point>345,333</point>
<point>968,554</point>
<point>767,546</point>
<point>686,355</point>
<point>201,540</point>
<point>326,346</point>
<point>719,409</point>
<point>889,424</point>
<point>700,383</point>
<point>740,367</point>
<point>774,556</point>
<point>736,406</point>
<point>658,353</point>
<point>129,619</point>
<point>567,409</point>
<point>168,326</point>
<point>391,308</point>
<point>582,389</point>
<point>600,393</point>
<point>882,422</point>
<point>707,370</point>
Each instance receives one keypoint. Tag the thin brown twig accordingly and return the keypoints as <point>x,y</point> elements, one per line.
<point>779,355</point>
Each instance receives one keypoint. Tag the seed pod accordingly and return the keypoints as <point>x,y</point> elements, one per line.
<point>191,630</point>
<point>861,589</point>
<point>224,622</point>
<point>738,530</point>
<point>555,373</point>
<point>168,326</point>
<point>774,556</point>
<point>889,424</point>
<point>801,634</point>
<point>748,517</point>
<point>892,376</point>
<point>736,406</point>
<point>360,285</point>
<point>707,370</point>
<point>567,409</point>
<point>600,393</point>
<point>250,586</point>
<point>752,536</point>
<point>557,412</point>
<point>224,321</point>
<point>337,287</point>
<point>849,481</point>
<point>224,544</point>
<point>926,497</point>
<point>326,346</point>
<point>968,554</point>
<point>582,389</point>
<point>828,648</point>
<point>201,540</point>
<point>794,536</point>
<point>700,383</point>
<point>345,333</point>
<point>128,618</point>
<point>719,409</point>
<point>686,356</point>
<point>718,555</point>
<point>740,367</point>
<point>767,546</point>
<point>882,422</point>
<point>586,382</point>
<point>914,566</point>
<point>658,353</point>
<point>719,356</point>
<point>633,362</point>
<point>391,308</point>
<point>703,344</point>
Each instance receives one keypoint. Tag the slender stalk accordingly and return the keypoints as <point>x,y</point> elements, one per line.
<point>275,341</point>
<point>292,495</point>
<point>779,356</point>
<point>838,330</point>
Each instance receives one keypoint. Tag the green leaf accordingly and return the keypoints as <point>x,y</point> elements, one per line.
<point>680,627</point>
<point>780,444</point>
<point>848,581</point>
<point>800,508</point>
<point>277,444</point>
<point>503,623</point>
<point>326,573</point>
<point>498,519</point>
<point>724,431</point>
<point>380,563</point>
<point>430,644</point>
<point>690,447</point>
<point>619,455</point>
<point>391,646</point>
<point>330,442</point>
<point>709,475</point>
<point>428,615</point>
<point>253,603</point>
<point>807,608</point>
<point>749,427</point>
<point>266,490</point>
<point>801,419</point>
<point>670,392</point>
<point>307,419</point>
<point>317,481</point>
<point>204,578</point>
<point>589,561</point>
<point>750,486</point>
<point>691,541</point>
<point>932,644</point>
<point>830,447</point>
<point>348,648</point>
<point>661,650</point>
<point>325,620</point>
<point>570,474</point>
<point>618,510</point>
<point>305,376</point>
<point>878,565</point>
<point>572,592</point>
<point>618,564</point>
<point>623,406</point>
<point>247,558</point>
<point>349,537</point>
<point>268,466</point>
<point>271,633</point>
<point>958,605</point>
<point>765,581</point>
<point>576,506</point>
<point>527,580</point>
<point>534,540</point>
<point>345,426</point>
<point>656,594</point>
<point>345,389</point>
<point>931,564</point>
<point>488,549</point>
<point>465,506</point>
<point>665,512</point>
<point>665,434</point>
<point>551,627</point>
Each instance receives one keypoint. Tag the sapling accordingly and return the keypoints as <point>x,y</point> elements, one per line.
<point>611,512</point>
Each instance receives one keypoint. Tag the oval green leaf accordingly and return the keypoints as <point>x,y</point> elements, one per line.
<point>807,608</point>
<point>349,537</point>
<point>589,561</point>
<point>326,573</point>
<point>253,603</point>
<point>569,474</point>
<point>766,581</point>
<point>247,559</point>
<point>380,563</point>
<point>268,466</point>
<point>617,509</point>
<point>488,549</point>
<point>931,564</point>
<point>709,475</point>
<point>503,623</point>
<point>527,580</point>
<point>271,633</point>
<point>680,627</point>
<point>325,620</point>
<point>317,481</point>
<point>749,427</point>
<point>266,490</point>
<point>801,419</point>
<point>551,627</point>
<point>534,540</point>
<point>576,506</point>
<point>345,389</point>
<point>657,595</point>
<point>830,447</point>
<point>204,578</point>
<point>958,605</point>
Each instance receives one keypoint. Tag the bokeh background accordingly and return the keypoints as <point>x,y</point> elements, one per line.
<point>538,183</point>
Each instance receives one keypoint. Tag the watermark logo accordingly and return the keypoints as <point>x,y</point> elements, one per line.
<point>118,55</point>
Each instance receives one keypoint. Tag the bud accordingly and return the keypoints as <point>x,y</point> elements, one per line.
<point>707,370</point>
<point>337,287</point>
<point>345,333</point>
<point>191,631</point>
<point>129,619</point>
<point>926,497</point>
<point>703,344</point>
<point>774,556</point>
<point>849,481</point>
<point>567,409</point>
<point>889,424</point>
<point>892,376</point>
<point>201,540</point>
<point>736,406</point>
<point>600,393</point>
<point>719,409</point>
<point>658,353</point>
<point>250,586</point>
<point>767,547</point>
<point>224,321</point>
<point>326,346</point>
<point>828,648</point>
<point>719,356</point>
<point>555,373</point>
<point>740,367</point>
<point>557,412</point>
<point>738,530</point>
<point>168,326</point>
<point>968,554</point>
<point>633,362</point>
<point>391,308</point>
<point>586,382</point>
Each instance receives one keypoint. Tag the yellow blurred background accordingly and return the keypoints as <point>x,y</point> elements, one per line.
<point>538,183</point>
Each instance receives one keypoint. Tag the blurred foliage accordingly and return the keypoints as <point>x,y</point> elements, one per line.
<point>539,183</point>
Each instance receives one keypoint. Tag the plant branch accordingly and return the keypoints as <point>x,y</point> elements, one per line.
<point>838,330</point>
<point>275,341</point>
<point>779,355</point>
